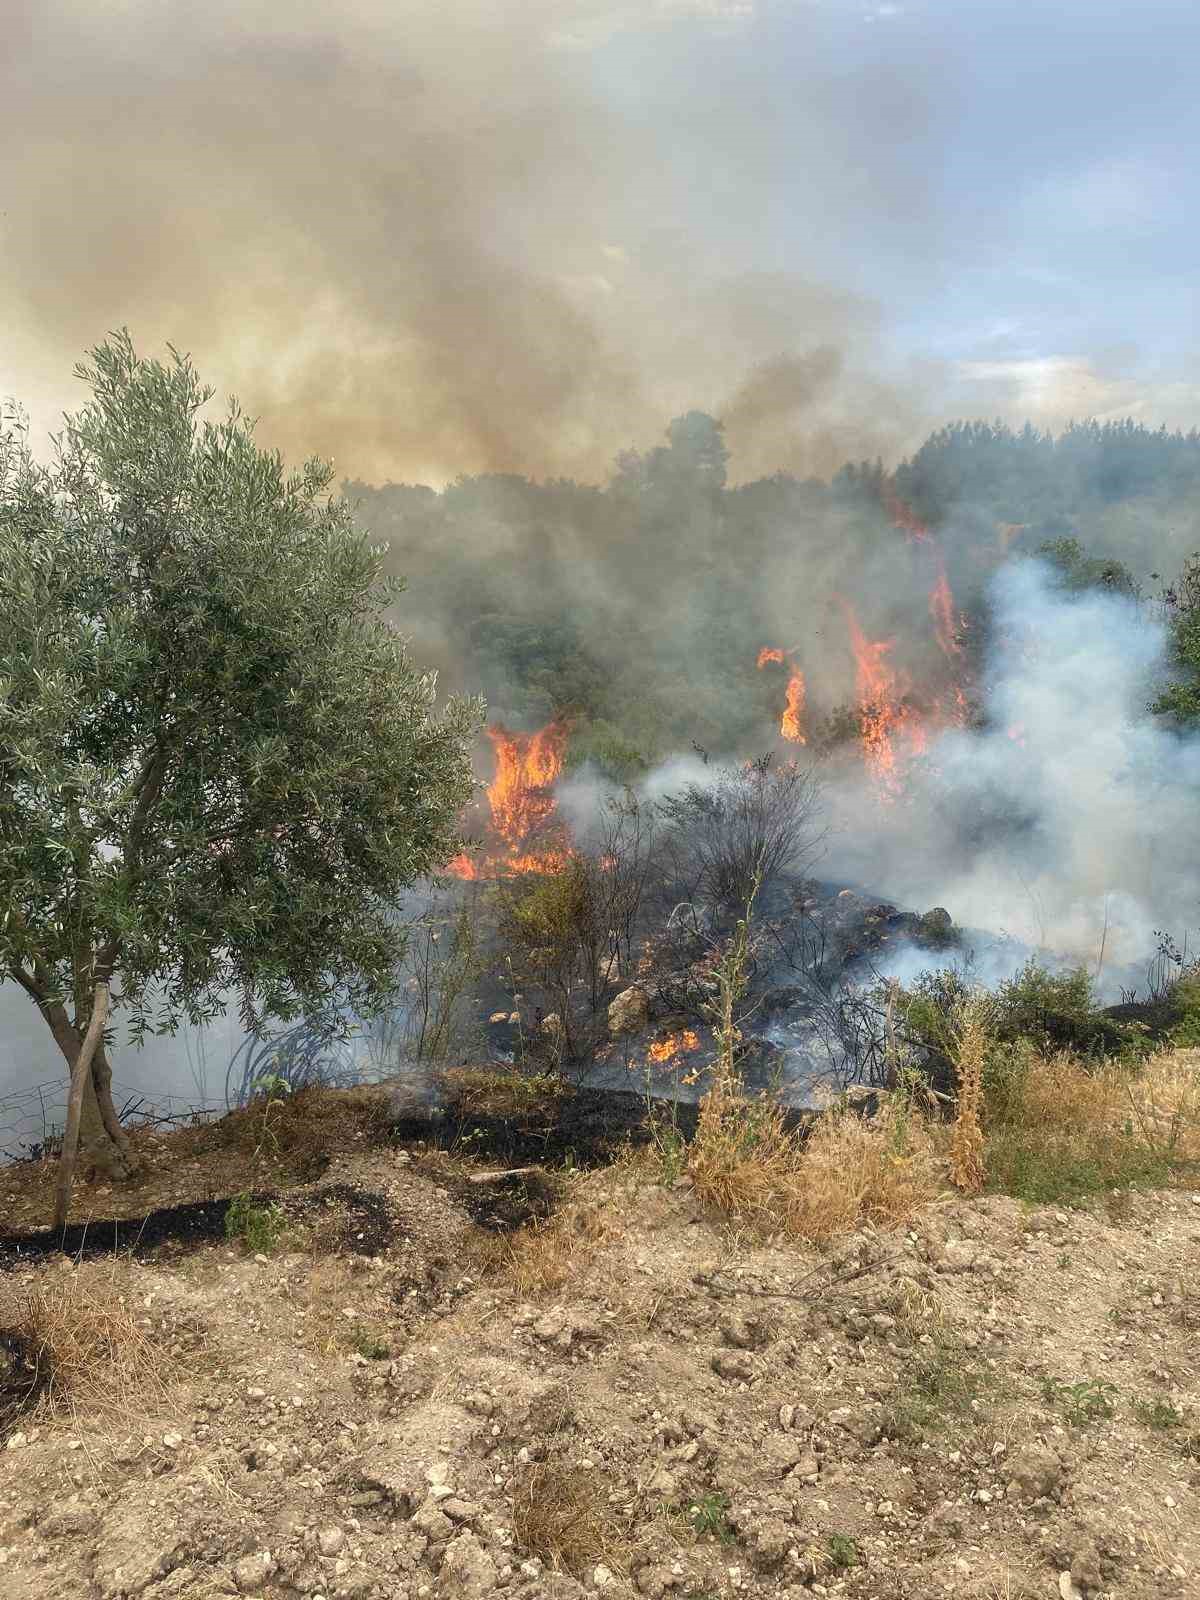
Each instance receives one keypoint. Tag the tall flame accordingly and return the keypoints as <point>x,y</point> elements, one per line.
<point>521,800</point>
<point>527,765</point>
<point>946,621</point>
<point>881,714</point>
<point>791,723</point>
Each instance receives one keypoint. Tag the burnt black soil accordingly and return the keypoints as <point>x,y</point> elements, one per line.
<point>365,1226</point>
<point>511,1201</point>
<point>187,1226</point>
<point>24,1378</point>
<point>586,1128</point>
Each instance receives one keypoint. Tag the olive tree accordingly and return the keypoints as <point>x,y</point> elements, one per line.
<point>218,765</point>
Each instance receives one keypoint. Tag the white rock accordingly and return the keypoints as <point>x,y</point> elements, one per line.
<point>251,1572</point>
<point>330,1541</point>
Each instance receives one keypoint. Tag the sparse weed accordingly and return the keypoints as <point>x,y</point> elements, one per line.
<point>671,1148</point>
<point>709,1517</point>
<point>260,1227</point>
<point>843,1552</point>
<point>371,1343</point>
<point>939,1386</point>
<point>1157,1414</point>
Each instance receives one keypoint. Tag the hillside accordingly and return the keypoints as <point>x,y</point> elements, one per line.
<point>625,1396</point>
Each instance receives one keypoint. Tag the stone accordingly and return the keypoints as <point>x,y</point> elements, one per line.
<point>251,1572</point>
<point>468,1572</point>
<point>744,1332</point>
<point>1035,1473</point>
<point>628,1011</point>
<point>733,1364</point>
<point>330,1541</point>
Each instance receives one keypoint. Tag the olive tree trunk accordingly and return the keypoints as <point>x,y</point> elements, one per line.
<point>81,1076</point>
<point>102,1141</point>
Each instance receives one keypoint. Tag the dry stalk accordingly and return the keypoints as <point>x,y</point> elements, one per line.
<point>966,1139</point>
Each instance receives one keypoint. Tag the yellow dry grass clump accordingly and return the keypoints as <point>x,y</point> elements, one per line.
<point>96,1358</point>
<point>1080,1105</point>
<point>544,1257</point>
<point>562,1516</point>
<point>848,1173</point>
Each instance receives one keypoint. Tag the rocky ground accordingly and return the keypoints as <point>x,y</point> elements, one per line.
<point>625,1399</point>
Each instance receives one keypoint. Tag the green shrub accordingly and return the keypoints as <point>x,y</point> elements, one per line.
<point>1185,1000</point>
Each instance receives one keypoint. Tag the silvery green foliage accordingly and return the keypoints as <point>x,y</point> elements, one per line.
<point>218,766</point>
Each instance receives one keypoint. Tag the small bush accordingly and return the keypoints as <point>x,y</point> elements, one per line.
<point>1082,1402</point>
<point>709,1517</point>
<point>260,1227</point>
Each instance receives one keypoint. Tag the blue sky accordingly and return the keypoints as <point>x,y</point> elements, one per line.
<point>455,235</point>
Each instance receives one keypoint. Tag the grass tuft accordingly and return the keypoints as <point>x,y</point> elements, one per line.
<point>561,1515</point>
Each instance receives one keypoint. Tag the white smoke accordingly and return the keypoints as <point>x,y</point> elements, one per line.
<point>1071,823</point>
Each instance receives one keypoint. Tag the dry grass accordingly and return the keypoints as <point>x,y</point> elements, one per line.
<point>849,1173</point>
<point>966,1138</point>
<point>98,1361</point>
<point>545,1257</point>
<point>561,1515</point>
<point>493,1092</point>
<point>1164,1102</point>
<point>1072,1129</point>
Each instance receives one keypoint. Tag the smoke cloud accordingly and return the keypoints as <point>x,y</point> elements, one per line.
<point>1069,823</point>
<point>433,243</point>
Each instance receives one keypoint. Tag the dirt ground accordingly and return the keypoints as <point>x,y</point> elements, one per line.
<point>624,1399</point>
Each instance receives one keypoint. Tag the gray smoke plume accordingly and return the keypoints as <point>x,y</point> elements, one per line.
<point>1070,822</point>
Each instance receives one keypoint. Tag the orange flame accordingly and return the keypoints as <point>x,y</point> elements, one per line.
<point>675,1044</point>
<point>791,722</point>
<point>946,621</point>
<point>521,801</point>
<point>903,516</point>
<point>793,711</point>
<point>880,711</point>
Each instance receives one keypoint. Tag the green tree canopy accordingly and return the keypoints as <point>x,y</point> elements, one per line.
<point>218,765</point>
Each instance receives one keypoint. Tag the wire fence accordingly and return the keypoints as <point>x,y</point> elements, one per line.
<point>32,1120</point>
